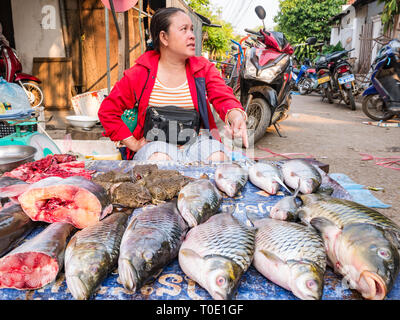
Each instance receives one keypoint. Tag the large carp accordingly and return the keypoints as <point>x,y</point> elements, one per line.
<point>151,241</point>
<point>217,253</point>
<point>361,243</point>
<point>92,253</point>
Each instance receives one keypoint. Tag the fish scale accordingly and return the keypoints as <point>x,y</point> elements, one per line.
<point>290,241</point>
<point>227,238</point>
<point>161,223</point>
<point>343,212</point>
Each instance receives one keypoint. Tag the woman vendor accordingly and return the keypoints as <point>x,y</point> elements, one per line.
<point>171,74</point>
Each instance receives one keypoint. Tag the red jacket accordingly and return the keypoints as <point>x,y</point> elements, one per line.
<point>205,83</point>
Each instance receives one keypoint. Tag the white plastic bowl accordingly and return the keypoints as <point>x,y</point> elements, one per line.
<point>82,121</point>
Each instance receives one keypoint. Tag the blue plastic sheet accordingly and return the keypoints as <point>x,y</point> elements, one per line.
<point>358,191</point>
<point>172,283</point>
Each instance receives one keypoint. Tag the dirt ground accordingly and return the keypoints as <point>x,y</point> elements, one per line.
<point>335,135</point>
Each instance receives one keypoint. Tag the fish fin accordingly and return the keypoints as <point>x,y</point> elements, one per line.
<point>189,253</point>
<point>296,192</point>
<point>283,184</point>
<point>107,210</point>
<point>271,256</point>
<point>322,224</point>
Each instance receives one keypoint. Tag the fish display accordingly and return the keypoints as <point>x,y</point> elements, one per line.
<point>36,262</point>
<point>151,241</point>
<point>92,253</point>
<point>215,254</point>
<point>266,176</point>
<point>198,201</point>
<point>14,226</point>
<point>297,171</point>
<point>292,256</point>
<point>231,178</point>
<point>75,200</point>
<point>361,243</point>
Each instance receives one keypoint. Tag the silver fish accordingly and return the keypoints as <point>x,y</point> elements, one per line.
<point>231,178</point>
<point>92,253</point>
<point>266,176</point>
<point>198,201</point>
<point>286,208</point>
<point>151,240</point>
<point>216,253</point>
<point>292,256</point>
<point>361,244</point>
<point>297,170</point>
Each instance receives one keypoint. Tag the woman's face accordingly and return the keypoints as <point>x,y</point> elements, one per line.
<point>180,38</point>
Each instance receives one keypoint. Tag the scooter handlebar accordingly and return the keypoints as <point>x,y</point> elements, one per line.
<point>253,32</point>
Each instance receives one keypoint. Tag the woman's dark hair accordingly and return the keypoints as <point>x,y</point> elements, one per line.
<point>161,22</point>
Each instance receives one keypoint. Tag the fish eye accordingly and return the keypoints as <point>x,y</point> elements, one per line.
<point>311,284</point>
<point>384,253</point>
<point>220,281</point>
<point>147,255</point>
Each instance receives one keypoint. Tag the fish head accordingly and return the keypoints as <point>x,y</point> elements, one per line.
<point>374,263</point>
<point>133,271</point>
<point>309,185</point>
<point>307,280</point>
<point>222,276</point>
<point>188,205</point>
<point>82,271</point>
<point>284,209</point>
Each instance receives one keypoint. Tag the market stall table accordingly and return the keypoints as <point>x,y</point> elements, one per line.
<point>172,283</point>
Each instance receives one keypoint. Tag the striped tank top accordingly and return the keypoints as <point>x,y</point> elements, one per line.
<point>163,96</point>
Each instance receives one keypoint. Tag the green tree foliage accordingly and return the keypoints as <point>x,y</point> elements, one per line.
<point>390,9</point>
<point>300,19</point>
<point>218,40</point>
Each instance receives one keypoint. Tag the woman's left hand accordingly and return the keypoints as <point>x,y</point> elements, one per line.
<point>237,128</point>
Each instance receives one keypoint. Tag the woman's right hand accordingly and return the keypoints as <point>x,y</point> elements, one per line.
<point>134,144</point>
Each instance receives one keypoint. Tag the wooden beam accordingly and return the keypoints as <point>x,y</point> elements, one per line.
<point>121,45</point>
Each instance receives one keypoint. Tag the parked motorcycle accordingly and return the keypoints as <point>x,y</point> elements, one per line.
<point>324,78</point>
<point>343,81</point>
<point>307,79</point>
<point>265,77</point>
<point>11,71</point>
<point>381,101</point>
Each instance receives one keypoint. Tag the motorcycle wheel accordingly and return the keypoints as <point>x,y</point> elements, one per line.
<point>374,107</point>
<point>328,93</point>
<point>34,93</point>
<point>302,87</point>
<point>258,119</point>
<point>350,98</point>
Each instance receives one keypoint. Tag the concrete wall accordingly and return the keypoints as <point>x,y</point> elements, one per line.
<point>37,30</point>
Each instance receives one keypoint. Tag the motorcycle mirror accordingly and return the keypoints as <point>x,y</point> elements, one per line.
<point>311,40</point>
<point>260,12</point>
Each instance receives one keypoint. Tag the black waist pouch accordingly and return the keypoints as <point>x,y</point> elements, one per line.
<point>171,124</point>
